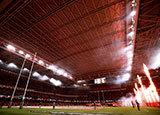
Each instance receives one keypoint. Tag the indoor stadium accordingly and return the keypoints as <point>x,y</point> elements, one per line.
<point>80,57</point>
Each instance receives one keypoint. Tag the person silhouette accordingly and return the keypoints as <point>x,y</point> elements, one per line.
<point>138,105</point>
<point>133,105</point>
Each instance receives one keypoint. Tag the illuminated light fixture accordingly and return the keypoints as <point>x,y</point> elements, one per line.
<point>84,84</point>
<point>12,65</point>
<point>81,81</point>
<point>55,82</point>
<point>52,67</point>
<point>1,62</point>
<point>75,85</point>
<point>43,78</point>
<point>130,42</point>
<point>65,74</point>
<point>133,4</point>
<point>133,13</point>
<point>20,52</point>
<point>69,76</point>
<point>10,47</point>
<point>36,74</point>
<point>131,34</point>
<point>60,71</point>
<point>131,27</point>
<point>28,56</point>
<point>25,69</point>
<point>40,62</point>
<point>133,21</point>
<point>133,1</point>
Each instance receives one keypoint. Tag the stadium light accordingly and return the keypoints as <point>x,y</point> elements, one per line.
<point>131,34</point>
<point>60,71</point>
<point>131,27</point>
<point>28,56</point>
<point>25,69</point>
<point>84,84</point>
<point>70,77</point>
<point>1,62</point>
<point>36,74</point>
<point>12,65</point>
<point>81,81</point>
<point>52,67</point>
<point>55,82</point>
<point>44,77</point>
<point>10,47</point>
<point>133,1</point>
<point>65,74</point>
<point>21,52</point>
<point>75,85</point>
<point>40,62</point>
<point>133,13</point>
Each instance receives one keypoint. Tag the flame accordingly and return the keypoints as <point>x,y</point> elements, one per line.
<point>138,96</point>
<point>153,89</point>
<point>147,72</point>
<point>143,90</point>
<point>150,93</point>
<point>136,87</point>
<point>135,92</point>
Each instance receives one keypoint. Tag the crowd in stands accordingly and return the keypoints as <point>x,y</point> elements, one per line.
<point>45,90</point>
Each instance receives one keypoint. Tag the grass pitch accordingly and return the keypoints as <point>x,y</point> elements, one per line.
<point>120,110</point>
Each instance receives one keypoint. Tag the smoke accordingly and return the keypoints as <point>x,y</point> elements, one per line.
<point>118,80</point>
<point>128,66</point>
<point>126,49</point>
<point>126,100</point>
<point>122,79</point>
<point>154,62</point>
